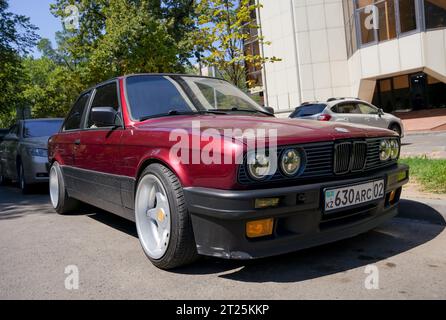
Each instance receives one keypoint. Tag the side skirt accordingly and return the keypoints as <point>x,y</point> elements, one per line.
<point>113,193</point>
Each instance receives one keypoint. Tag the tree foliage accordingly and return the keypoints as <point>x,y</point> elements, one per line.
<point>224,26</point>
<point>116,37</point>
<point>17,36</point>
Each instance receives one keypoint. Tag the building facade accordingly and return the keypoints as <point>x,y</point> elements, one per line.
<point>389,52</point>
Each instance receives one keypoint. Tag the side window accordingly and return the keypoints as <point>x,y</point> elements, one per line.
<point>73,121</point>
<point>347,108</point>
<point>105,96</point>
<point>366,109</point>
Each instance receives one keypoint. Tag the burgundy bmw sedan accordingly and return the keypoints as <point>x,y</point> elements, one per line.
<point>204,170</point>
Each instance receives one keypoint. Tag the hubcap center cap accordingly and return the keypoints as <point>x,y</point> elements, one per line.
<point>161,215</point>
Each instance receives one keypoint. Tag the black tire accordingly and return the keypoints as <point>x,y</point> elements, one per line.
<point>64,203</point>
<point>396,128</point>
<point>24,186</point>
<point>182,249</point>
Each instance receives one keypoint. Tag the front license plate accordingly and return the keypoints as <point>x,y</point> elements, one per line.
<point>352,195</point>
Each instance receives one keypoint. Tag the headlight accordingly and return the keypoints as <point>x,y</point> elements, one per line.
<point>259,165</point>
<point>38,152</point>
<point>394,149</point>
<point>384,150</point>
<point>290,162</point>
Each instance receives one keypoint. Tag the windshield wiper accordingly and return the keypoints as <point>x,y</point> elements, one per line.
<point>248,110</point>
<point>182,113</point>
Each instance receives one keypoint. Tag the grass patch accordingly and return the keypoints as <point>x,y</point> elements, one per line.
<point>431,173</point>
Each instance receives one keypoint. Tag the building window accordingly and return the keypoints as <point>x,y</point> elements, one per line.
<point>410,92</point>
<point>408,17</point>
<point>367,33</point>
<point>435,13</point>
<point>253,71</point>
<point>350,26</point>
<point>381,20</point>
<point>386,22</point>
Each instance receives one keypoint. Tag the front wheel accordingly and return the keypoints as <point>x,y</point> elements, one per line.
<point>162,220</point>
<point>24,186</point>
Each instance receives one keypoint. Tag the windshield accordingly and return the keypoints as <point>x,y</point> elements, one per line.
<point>308,110</point>
<point>44,128</point>
<point>153,95</point>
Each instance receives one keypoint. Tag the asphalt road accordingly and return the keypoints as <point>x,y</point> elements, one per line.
<point>432,144</point>
<point>36,245</point>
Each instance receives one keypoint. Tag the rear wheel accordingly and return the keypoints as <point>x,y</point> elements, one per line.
<point>162,220</point>
<point>396,128</point>
<point>60,200</point>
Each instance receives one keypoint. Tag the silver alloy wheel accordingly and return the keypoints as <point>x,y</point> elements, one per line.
<point>54,187</point>
<point>152,214</point>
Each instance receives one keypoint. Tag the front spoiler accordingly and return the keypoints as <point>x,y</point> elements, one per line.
<point>219,217</point>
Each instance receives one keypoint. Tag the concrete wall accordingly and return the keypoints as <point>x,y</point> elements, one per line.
<point>309,37</point>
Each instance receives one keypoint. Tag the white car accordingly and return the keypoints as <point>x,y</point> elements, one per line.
<point>350,110</point>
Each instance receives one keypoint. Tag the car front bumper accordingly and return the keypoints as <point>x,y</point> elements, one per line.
<point>219,217</point>
<point>36,169</point>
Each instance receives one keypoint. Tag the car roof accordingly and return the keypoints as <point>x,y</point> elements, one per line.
<point>333,101</point>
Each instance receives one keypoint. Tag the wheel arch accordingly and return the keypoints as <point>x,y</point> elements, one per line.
<point>152,160</point>
<point>394,123</point>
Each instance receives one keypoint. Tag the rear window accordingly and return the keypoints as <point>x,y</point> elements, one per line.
<point>41,128</point>
<point>308,110</point>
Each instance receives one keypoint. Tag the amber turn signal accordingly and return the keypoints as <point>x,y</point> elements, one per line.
<point>392,196</point>
<point>259,228</point>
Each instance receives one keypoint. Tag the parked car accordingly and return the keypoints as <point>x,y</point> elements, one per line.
<point>23,152</point>
<point>332,180</point>
<point>3,133</point>
<point>350,110</point>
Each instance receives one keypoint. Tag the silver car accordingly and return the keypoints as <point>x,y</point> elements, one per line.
<point>24,152</point>
<point>350,110</point>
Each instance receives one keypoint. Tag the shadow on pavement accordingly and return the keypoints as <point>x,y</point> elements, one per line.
<point>415,210</point>
<point>13,204</point>
<point>416,224</point>
<point>391,239</point>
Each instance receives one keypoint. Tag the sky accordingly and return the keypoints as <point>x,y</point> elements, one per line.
<point>39,13</point>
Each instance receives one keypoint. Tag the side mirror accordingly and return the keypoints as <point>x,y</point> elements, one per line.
<point>380,112</point>
<point>269,109</point>
<point>103,116</point>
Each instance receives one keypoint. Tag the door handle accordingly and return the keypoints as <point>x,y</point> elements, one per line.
<point>77,142</point>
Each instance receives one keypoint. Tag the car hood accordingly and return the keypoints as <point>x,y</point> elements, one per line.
<point>289,131</point>
<point>37,142</point>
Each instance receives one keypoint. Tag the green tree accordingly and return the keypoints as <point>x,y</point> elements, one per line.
<point>17,36</point>
<point>51,87</point>
<point>118,37</point>
<point>224,26</point>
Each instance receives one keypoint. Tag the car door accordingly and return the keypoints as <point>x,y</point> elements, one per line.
<point>347,112</point>
<point>372,116</point>
<point>66,143</point>
<point>98,151</point>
